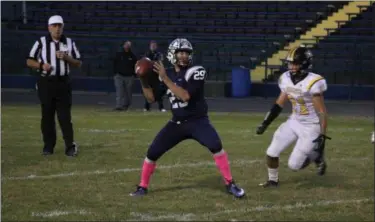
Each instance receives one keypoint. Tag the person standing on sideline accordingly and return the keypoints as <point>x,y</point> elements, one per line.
<point>53,55</point>
<point>124,76</point>
<point>155,55</point>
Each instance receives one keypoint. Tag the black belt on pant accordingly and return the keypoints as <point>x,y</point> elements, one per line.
<point>193,118</point>
<point>55,78</point>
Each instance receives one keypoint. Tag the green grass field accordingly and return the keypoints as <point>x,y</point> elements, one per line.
<point>187,186</point>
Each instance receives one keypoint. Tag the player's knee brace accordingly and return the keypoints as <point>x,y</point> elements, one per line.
<point>215,146</point>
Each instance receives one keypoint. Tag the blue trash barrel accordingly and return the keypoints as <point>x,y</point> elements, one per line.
<point>241,82</point>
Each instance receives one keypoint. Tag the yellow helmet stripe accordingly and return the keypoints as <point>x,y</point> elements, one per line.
<point>291,53</point>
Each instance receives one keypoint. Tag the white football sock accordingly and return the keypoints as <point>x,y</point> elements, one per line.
<point>273,174</point>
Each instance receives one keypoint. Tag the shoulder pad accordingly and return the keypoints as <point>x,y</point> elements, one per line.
<point>314,80</point>
<point>282,76</point>
<point>198,72</point>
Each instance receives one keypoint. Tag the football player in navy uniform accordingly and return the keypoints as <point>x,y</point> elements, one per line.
<point>185,84</point>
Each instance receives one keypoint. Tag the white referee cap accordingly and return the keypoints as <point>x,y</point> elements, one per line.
<point>55,19</point>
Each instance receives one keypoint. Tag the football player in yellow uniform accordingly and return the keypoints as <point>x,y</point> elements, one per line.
<point>306,125</point>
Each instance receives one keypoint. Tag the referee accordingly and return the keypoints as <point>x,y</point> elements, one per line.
<point>53,55</point>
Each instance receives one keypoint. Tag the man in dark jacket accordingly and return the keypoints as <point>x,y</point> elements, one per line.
<point>124,76</point>
<point>155,55</point>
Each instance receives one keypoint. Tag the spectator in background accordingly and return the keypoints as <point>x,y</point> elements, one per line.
<point>155,55</point>
<point>124,76</point>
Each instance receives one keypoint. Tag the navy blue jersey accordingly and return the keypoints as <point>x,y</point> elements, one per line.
<point>191,79</point>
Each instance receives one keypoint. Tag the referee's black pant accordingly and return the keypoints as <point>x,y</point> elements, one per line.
<point>55,95</point>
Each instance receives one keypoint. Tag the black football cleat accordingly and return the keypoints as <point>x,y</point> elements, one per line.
<point>72,150</point>
<point>47,153</point>
<point>270,183</point>
<point>236,191</point>
<point>141,191</point>
<point>118,109</point>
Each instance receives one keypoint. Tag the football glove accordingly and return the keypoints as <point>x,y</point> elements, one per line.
<point>270,116</point>
<point>321,141</point>
<point>261,128</point>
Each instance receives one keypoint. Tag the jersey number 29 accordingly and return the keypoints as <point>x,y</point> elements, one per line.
<point>199,74</point>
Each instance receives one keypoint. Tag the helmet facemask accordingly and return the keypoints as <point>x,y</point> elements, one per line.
<point>295,68</point>
<point>183,58</point>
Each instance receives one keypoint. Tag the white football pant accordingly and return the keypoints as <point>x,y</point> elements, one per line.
<point>289,132</point>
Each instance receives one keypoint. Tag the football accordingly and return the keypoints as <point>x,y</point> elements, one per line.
<point>143,67</point>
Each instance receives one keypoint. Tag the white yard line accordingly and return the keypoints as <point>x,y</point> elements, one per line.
<point>57,213</point>
<point>259,208</point>
<point>124,170</point>
<point>159,167</point>
<point>298,205</point>
<point>148,217</point>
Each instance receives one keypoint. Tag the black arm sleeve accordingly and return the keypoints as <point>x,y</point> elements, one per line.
<point>272,114</point>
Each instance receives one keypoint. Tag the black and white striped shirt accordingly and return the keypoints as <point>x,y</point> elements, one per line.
<point>44,51</point>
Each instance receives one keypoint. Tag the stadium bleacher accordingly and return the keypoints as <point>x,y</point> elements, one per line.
<point>225,34</point>
<point>347,55</point>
